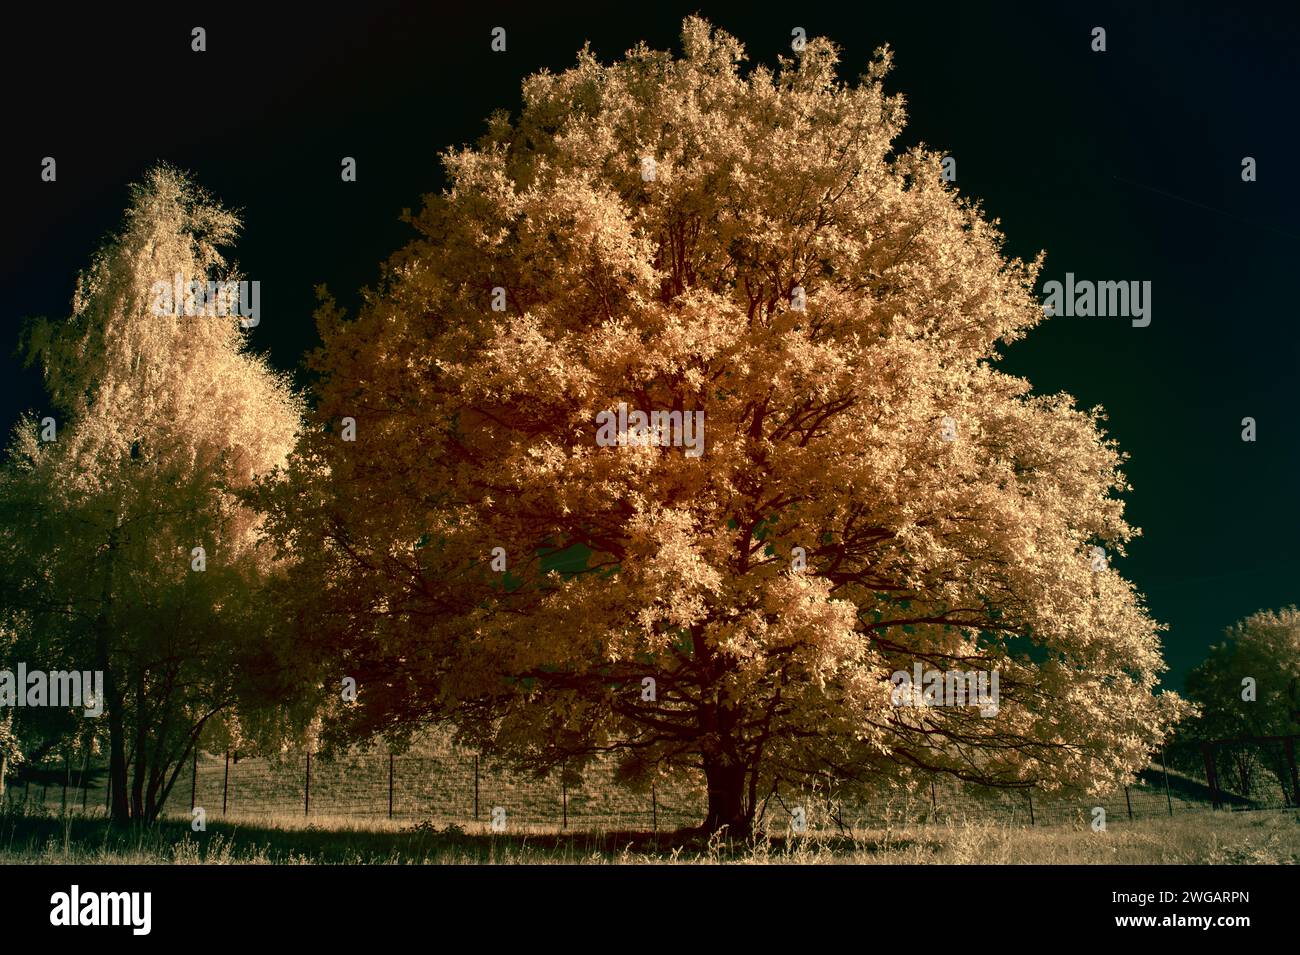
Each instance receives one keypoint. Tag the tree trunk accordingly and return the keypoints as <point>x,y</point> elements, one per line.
<point>726,784</point>
<point>119,811</point>
<point>166,783</point>
<point>724,768</point>
<point>141,749</point>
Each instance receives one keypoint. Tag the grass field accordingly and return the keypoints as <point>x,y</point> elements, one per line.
<point>1203,837</point>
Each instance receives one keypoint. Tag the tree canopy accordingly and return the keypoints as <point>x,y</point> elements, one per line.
<point>679,234</point>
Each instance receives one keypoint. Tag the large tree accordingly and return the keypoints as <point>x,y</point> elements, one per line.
<point>158,420</point>
<point>677,234</point>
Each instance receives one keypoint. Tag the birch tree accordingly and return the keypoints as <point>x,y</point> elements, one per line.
<point>126,546</point>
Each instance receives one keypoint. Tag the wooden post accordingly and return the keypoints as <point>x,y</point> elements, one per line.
<point>564,796</point>
<point>306,792</point>
<point>1211,777</point>
<point>1128,802</point>
<point>1164,764</point>
<point>1295,777</point>
<point>475,787</point>
<point>654,809</point>
<point>934,801</point>
<point>225,784</point>
<point>67,778</point>
<point>1031,805</point>
<point>390,785</point>
<point>194,777</point>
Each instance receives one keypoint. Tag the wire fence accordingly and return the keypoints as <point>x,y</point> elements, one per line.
<point>442,789</point>
<point>460,789</point>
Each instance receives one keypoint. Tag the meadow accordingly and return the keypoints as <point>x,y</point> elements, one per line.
<point>1204,837</point>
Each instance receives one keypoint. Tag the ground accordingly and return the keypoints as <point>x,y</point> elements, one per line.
<point>1197,838</point>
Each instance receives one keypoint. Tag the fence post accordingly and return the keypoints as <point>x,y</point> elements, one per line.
<point>306,792</point>
<point>1030,793</point>
<point>1211,777</point>
<point>476,787</point>
<point>1128,802</point>
<point>1164,764</point>
<point>194,776</point>
<point>390,785</point>
<point>654,809</point>
<point>225,783</point>
<point>67,778</point>
<point>934,802</point>
<point>564,795</point>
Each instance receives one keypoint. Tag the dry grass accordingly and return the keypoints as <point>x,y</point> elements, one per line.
<point>1193,839</point>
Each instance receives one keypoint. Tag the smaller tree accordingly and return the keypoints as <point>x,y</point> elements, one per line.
<point>126,544</point>
<point>10,752</point>
<point>1249,686</point>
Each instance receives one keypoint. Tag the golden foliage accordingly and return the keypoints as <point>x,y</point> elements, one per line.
<point>475,430</point>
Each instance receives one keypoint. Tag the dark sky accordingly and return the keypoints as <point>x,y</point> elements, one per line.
<point>1123,165</point>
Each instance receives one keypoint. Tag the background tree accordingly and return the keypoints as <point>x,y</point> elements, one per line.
<point>162,420</point>
<point>37,737</point>
<point>679,235</point>
<point>1265,648</point>
<point>11,750</point>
